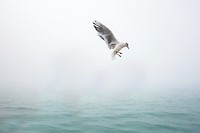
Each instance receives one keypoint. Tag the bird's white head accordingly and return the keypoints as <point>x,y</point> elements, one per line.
<point>126,45</point>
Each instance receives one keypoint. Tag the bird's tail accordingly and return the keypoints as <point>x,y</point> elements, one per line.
<point>113,55</point>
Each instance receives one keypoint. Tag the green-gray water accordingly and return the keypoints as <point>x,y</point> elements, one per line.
<point>141,113</point>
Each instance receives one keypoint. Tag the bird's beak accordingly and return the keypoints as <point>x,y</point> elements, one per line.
<point>127,47</point>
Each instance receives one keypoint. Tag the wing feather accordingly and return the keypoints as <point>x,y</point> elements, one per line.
<point>105,34</point>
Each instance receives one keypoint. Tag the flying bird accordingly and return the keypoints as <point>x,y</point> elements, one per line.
<point>104,33</point>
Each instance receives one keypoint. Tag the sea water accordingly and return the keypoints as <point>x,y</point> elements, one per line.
<point>53,112</point>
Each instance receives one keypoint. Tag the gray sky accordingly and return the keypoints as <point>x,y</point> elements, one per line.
<point>51,44</point>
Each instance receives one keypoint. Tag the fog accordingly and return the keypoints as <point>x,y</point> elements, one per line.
<point>51,45</point>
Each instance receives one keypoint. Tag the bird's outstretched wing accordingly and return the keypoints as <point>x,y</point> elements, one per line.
<point>105,34</point>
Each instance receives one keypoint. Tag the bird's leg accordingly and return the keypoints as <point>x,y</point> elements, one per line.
<point>116,53</point>
<point>119,55</point>
<point>120,52</point>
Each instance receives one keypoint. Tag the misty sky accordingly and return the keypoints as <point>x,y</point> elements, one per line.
<point>51,44</point>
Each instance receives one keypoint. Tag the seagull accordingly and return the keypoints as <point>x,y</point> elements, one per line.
<point>104,33</point>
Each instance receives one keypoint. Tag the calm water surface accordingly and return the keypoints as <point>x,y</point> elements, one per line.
<point>52,112</point>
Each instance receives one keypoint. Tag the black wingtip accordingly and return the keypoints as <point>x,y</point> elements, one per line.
<point>94,21</point>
